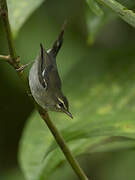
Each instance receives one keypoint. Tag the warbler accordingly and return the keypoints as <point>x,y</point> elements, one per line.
<point>44,80</point>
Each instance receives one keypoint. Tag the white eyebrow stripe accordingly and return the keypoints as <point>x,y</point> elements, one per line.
<point>58,106</point>
<point>62,102</point>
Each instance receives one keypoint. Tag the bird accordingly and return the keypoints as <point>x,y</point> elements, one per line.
<point>44,80</point>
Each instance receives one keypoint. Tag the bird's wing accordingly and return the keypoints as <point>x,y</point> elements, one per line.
<point>44,67</point>
<point>55,82</point>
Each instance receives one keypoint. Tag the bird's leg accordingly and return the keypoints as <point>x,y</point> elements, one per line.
<point>24,66</point>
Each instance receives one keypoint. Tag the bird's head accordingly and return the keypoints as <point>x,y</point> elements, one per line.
<point>61,105</point>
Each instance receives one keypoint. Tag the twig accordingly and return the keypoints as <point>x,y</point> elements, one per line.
<point>4,14</point>
<point>14,59</point>
<point>16,64</point>
<point>3,57</point>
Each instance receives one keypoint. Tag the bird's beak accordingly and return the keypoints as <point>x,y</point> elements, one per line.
<point>69,114</point>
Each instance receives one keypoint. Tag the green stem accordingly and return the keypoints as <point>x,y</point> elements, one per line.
<point>126,14</point>
<point>16,64</point>
<point>4,14</point>
<point>62,144</point>
<point>14,60</point>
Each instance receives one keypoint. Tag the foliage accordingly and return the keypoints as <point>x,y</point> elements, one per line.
<point>19,11</point>
<point>98,81</point>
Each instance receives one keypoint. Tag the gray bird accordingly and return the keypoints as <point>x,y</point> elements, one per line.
<point>44,80</point>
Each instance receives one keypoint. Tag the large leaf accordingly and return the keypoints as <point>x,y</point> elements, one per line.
<point>100,88</point>
<point>94,7</point>
<point>96,23</point>
<point>19,11</point>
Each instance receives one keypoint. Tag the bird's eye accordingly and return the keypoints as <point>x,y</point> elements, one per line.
<point>61,104</point>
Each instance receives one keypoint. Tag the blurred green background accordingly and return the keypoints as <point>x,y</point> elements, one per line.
<point>97,67</point>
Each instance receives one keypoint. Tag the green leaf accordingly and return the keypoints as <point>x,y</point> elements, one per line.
<point>122,11</point>
<point>128,3</point>
<point>19,12</point>
<point>95,7</point>
<point>102,101</point>
<point>96,23</point>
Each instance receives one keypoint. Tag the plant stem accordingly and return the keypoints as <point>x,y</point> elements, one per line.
<point>4,14</point>
<point>62,144</point>
<point>16,64</point>
<point>14,59</point>
<point>126,14</point>
<point>6,58</point>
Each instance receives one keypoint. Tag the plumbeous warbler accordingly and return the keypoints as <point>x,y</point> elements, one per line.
<point>44,80</point>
